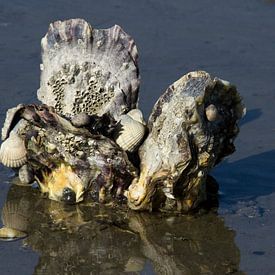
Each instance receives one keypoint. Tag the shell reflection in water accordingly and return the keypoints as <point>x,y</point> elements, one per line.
<point>13,152</point>
<point>15,222</point>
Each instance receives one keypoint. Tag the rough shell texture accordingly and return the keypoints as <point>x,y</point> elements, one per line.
<point>88,70</point>
<point>131,133</point>
<point>13,151</point>
<point>182,145</point>
<point>55,146</point>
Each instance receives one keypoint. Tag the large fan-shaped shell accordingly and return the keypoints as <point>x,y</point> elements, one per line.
<point>13,152</point>
<point>88,70</point>
<point>191,128</point>
<point>131,134</point>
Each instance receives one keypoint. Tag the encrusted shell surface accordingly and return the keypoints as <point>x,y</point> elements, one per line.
<point>13,152</point>
<point>131,133</point>
<point>88,70</point>
<point>183,142</point>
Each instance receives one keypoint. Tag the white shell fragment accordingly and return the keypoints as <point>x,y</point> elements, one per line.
<point>132,132</point>
<point>211,112</point>
<point>88,70</point>
<point>13,152</point>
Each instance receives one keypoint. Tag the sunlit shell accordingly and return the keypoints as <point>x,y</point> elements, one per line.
<point>137,115</point>
<point>131,134</point>
<point>88,70</point>
<point>10,234</point>
<point>211,112</point>
<point>13,152</point>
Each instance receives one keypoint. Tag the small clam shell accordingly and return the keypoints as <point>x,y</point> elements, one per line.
<point>13,152</point>
<point>10,234</point>
<point>131,134</point>
<point>212,113</point>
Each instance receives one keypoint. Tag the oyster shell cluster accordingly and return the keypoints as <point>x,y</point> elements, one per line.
<point>88,138</point>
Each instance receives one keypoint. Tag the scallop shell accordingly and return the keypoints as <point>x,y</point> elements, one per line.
<point>131,134</point>
<point>13,152</point>
<point>212,113</point>
<point>137,115</point>
<point>88,70</point>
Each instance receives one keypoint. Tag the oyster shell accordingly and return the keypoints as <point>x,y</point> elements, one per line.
<point>11,121</point>
<point>183,143</point>
<point>13,152</point>
<point>131,130</point>
<point>88,70</point>
<point>70,161</point>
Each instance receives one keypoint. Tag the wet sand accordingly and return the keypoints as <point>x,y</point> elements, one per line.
<point>233,40</point>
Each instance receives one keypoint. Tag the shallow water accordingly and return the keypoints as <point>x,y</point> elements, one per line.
<point>233,40</point>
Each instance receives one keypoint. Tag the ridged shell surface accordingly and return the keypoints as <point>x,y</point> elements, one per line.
<point>186,140</point>
<point>131,134</point>
<point>88,70</point>
<point>13,151</point>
